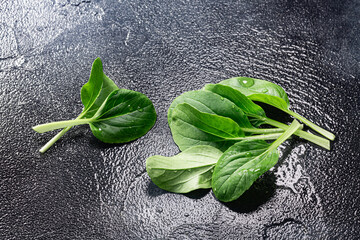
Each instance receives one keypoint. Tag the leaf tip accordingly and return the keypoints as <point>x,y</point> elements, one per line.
<point>36,129</point>
<point>98,62</point>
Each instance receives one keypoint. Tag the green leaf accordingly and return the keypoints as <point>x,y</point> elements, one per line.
<point>107,87</point>
<point>115,115</point>
<point>191,127</point>
<point>243,163</point>
<point>252,110</point>
<point>125,116</point>
<point>96,90</point>
<point>209,102</point>
<point>259,90</point>
<point>272,94</point>
<point>185,172</point>
<point>92,88</point>
<point>210,123</point>
<point>257,115</point>
<point>186,135</point>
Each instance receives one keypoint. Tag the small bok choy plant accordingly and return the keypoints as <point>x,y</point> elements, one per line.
<point>223,146</point>
<point>114,115</point>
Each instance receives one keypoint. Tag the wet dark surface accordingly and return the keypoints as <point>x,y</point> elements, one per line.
<point>84,189</point>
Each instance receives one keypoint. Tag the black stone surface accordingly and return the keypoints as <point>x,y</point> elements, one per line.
<point>84,189</point>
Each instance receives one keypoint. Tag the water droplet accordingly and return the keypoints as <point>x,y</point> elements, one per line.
<point>75,2</point>
<point>265,90</point>
<point>248,154</point>
<point>186,215</point>
<point>222,99</point>
<point>19,62</point>
<point>100,129</point>
<point>63,12</point>
<point>62,3</point>
<point>159,210</point>
<point>247,82</point>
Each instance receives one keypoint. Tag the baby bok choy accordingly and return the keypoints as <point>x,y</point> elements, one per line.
<point>243,163</point>
<point>114,115</point>
<point>225,136</point>
<point>189,170</point>
<point>272,94</point>
<point>257,115</point>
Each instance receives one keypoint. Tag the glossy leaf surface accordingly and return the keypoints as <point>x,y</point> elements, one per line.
<point>243,163</point>
<point>191,127</point>
<point>252,110</point>
<point>185,172</point>
<point>256,114</point>
<point>259,90</point>
<point>115,115</point>
<point>210,123</point>
<point>272,94</point>
<point>106,88</point>
<point>240,166</point>
<point>125,116</point>
<point>209,102</point>
<point>96,90</point>
<point>91,89</point>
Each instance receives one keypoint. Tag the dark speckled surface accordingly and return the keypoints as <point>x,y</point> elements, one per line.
<point>84,189</point>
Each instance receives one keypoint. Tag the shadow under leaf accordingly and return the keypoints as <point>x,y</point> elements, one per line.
<point>155,191</point>
<point>275,113</point>
<point>258,194</point>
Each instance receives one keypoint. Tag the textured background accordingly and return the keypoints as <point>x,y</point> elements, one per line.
<point>84,189</point>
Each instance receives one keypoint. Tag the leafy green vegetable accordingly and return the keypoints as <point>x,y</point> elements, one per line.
<point>186,135</point>
<point>209,102</point>
<point>191,127</point>
<point>252,87</point>
<point>108,86</point>
<point>228,102</point>
<point>223,116</point>
<point>256,113</point>
<point>114,115</point>
<point>124,116</point>
<point>272,94</point>
<point>253,111</point>
<point>243,163</point>
<point>189,170</point>
<point>216,125</point>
